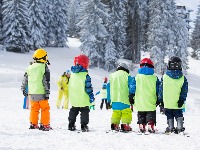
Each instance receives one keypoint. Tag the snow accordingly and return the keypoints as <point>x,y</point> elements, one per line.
<point>14,123</point>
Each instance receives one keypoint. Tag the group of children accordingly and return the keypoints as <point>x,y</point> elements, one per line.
<point>144,91</point>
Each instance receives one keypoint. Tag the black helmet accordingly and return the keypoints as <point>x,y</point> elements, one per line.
<point>174,63</point>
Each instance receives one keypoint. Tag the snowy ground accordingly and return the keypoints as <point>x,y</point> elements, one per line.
<point>14,121</point>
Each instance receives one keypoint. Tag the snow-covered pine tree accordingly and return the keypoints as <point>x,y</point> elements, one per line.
<point>157,56</point>
<point>73,18</point>
<point>93,31</point>
<point>49,34</point>
<point>16,26</point>
<point>195,41</point>
<point>119,17</point>
<point>37,23</point>
<point>110,55</point>
<point>1,20</point>
<point>60,12</point>
<point>158,31</point>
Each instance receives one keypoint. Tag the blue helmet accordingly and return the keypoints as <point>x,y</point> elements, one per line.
<point>68,72</point>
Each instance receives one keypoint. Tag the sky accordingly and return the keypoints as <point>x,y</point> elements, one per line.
<point>14,121</point>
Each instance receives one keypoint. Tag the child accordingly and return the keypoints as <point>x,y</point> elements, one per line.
<point>63,90</point>
<point>103,93</point>
<point>37,78</point>
<point>120,92</point>
<point>146,86</point>
<point>173,93</point>
<point>80,93</point>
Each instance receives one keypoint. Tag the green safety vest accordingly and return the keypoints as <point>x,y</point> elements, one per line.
<point>77,95</point>
<point>145,95</point>
<point>119,90</point>
<point>35,74</point>
<point>171,91</point>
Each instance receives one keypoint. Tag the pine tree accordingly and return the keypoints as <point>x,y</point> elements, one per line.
<point>60,12</point>
<point>119,16</point>
<point>74,18</point>
<point>93,31</point>
<point>1,20</point>
<point>157,56</point>
<point>16,26</point>
<point>195,41</point>
<point>37,22</point>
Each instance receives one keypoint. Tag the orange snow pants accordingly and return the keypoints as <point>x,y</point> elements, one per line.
<point>35,110</point>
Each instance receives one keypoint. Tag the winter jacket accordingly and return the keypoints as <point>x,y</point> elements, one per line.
<point>63,83</point>
<point>173,87</point>
<point>120,89</point>
<point>37,77</point>
<point>103,92</point>
<point>146,86</point>
<point>80,87</point>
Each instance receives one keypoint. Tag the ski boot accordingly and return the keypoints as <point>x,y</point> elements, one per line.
<point>151,127</point>
<point>84,128</point>
<point>34,126</point>
<point>180,129</point>
<point>142,128</point>
<point>170,129</point>
<point>71,126</point>
<point>115,127</point>
<point>45,127</point>
<point>126,127</point>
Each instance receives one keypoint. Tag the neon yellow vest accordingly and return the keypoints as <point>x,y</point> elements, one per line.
<point>145,95</point>
<point>35,78</point>
<point>103,93</point>
<point>77,95</point>
<point>171,91</point>
<point>119,91</point>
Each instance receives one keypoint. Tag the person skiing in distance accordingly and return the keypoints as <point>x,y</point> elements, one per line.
<point>63,90</point>
<point>121,96</point>
<point>172,95</point>
<point>37,78</point>
<point>80,93</point>
<point>103,93</point>
<point>146,86</point>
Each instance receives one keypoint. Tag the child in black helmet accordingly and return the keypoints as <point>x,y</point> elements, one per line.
<point>172,94</point>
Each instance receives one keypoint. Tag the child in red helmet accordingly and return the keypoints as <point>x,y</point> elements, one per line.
<point>80,93</point>
<point>103,93</point>
<point>146,86</point>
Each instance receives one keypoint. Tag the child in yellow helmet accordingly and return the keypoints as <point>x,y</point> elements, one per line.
<point>37,77</point>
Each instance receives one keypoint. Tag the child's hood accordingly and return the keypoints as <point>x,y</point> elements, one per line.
<point>146,71</point>
<point>175,74</point>
<point>77,69</point>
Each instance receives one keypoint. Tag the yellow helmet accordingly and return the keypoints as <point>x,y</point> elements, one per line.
<point>40,55</point>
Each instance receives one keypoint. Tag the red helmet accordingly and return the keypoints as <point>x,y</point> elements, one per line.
<point>105,80</point>
<point>82,60</point>
<point>146,62</point>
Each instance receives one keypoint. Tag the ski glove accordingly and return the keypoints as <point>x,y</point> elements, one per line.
<point>180,103</point>
<point>92,100</point>
<point>131,98</point>
<point>25,93</point>
<point>157,103</point>
<point>46,97</point>
<point>162,104</point>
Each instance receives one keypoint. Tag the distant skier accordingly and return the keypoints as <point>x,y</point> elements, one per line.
<point>146,86</point>
<point>121,96</point>
<point>80,93</point>
<point>173,93</point>
<point>63,90</point>
<point>103,93</point>
<point>37,78</point>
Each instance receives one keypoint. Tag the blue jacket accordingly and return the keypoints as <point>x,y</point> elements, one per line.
<point>88,84</point>
<point>175,74</point>
<point>146,71</point>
